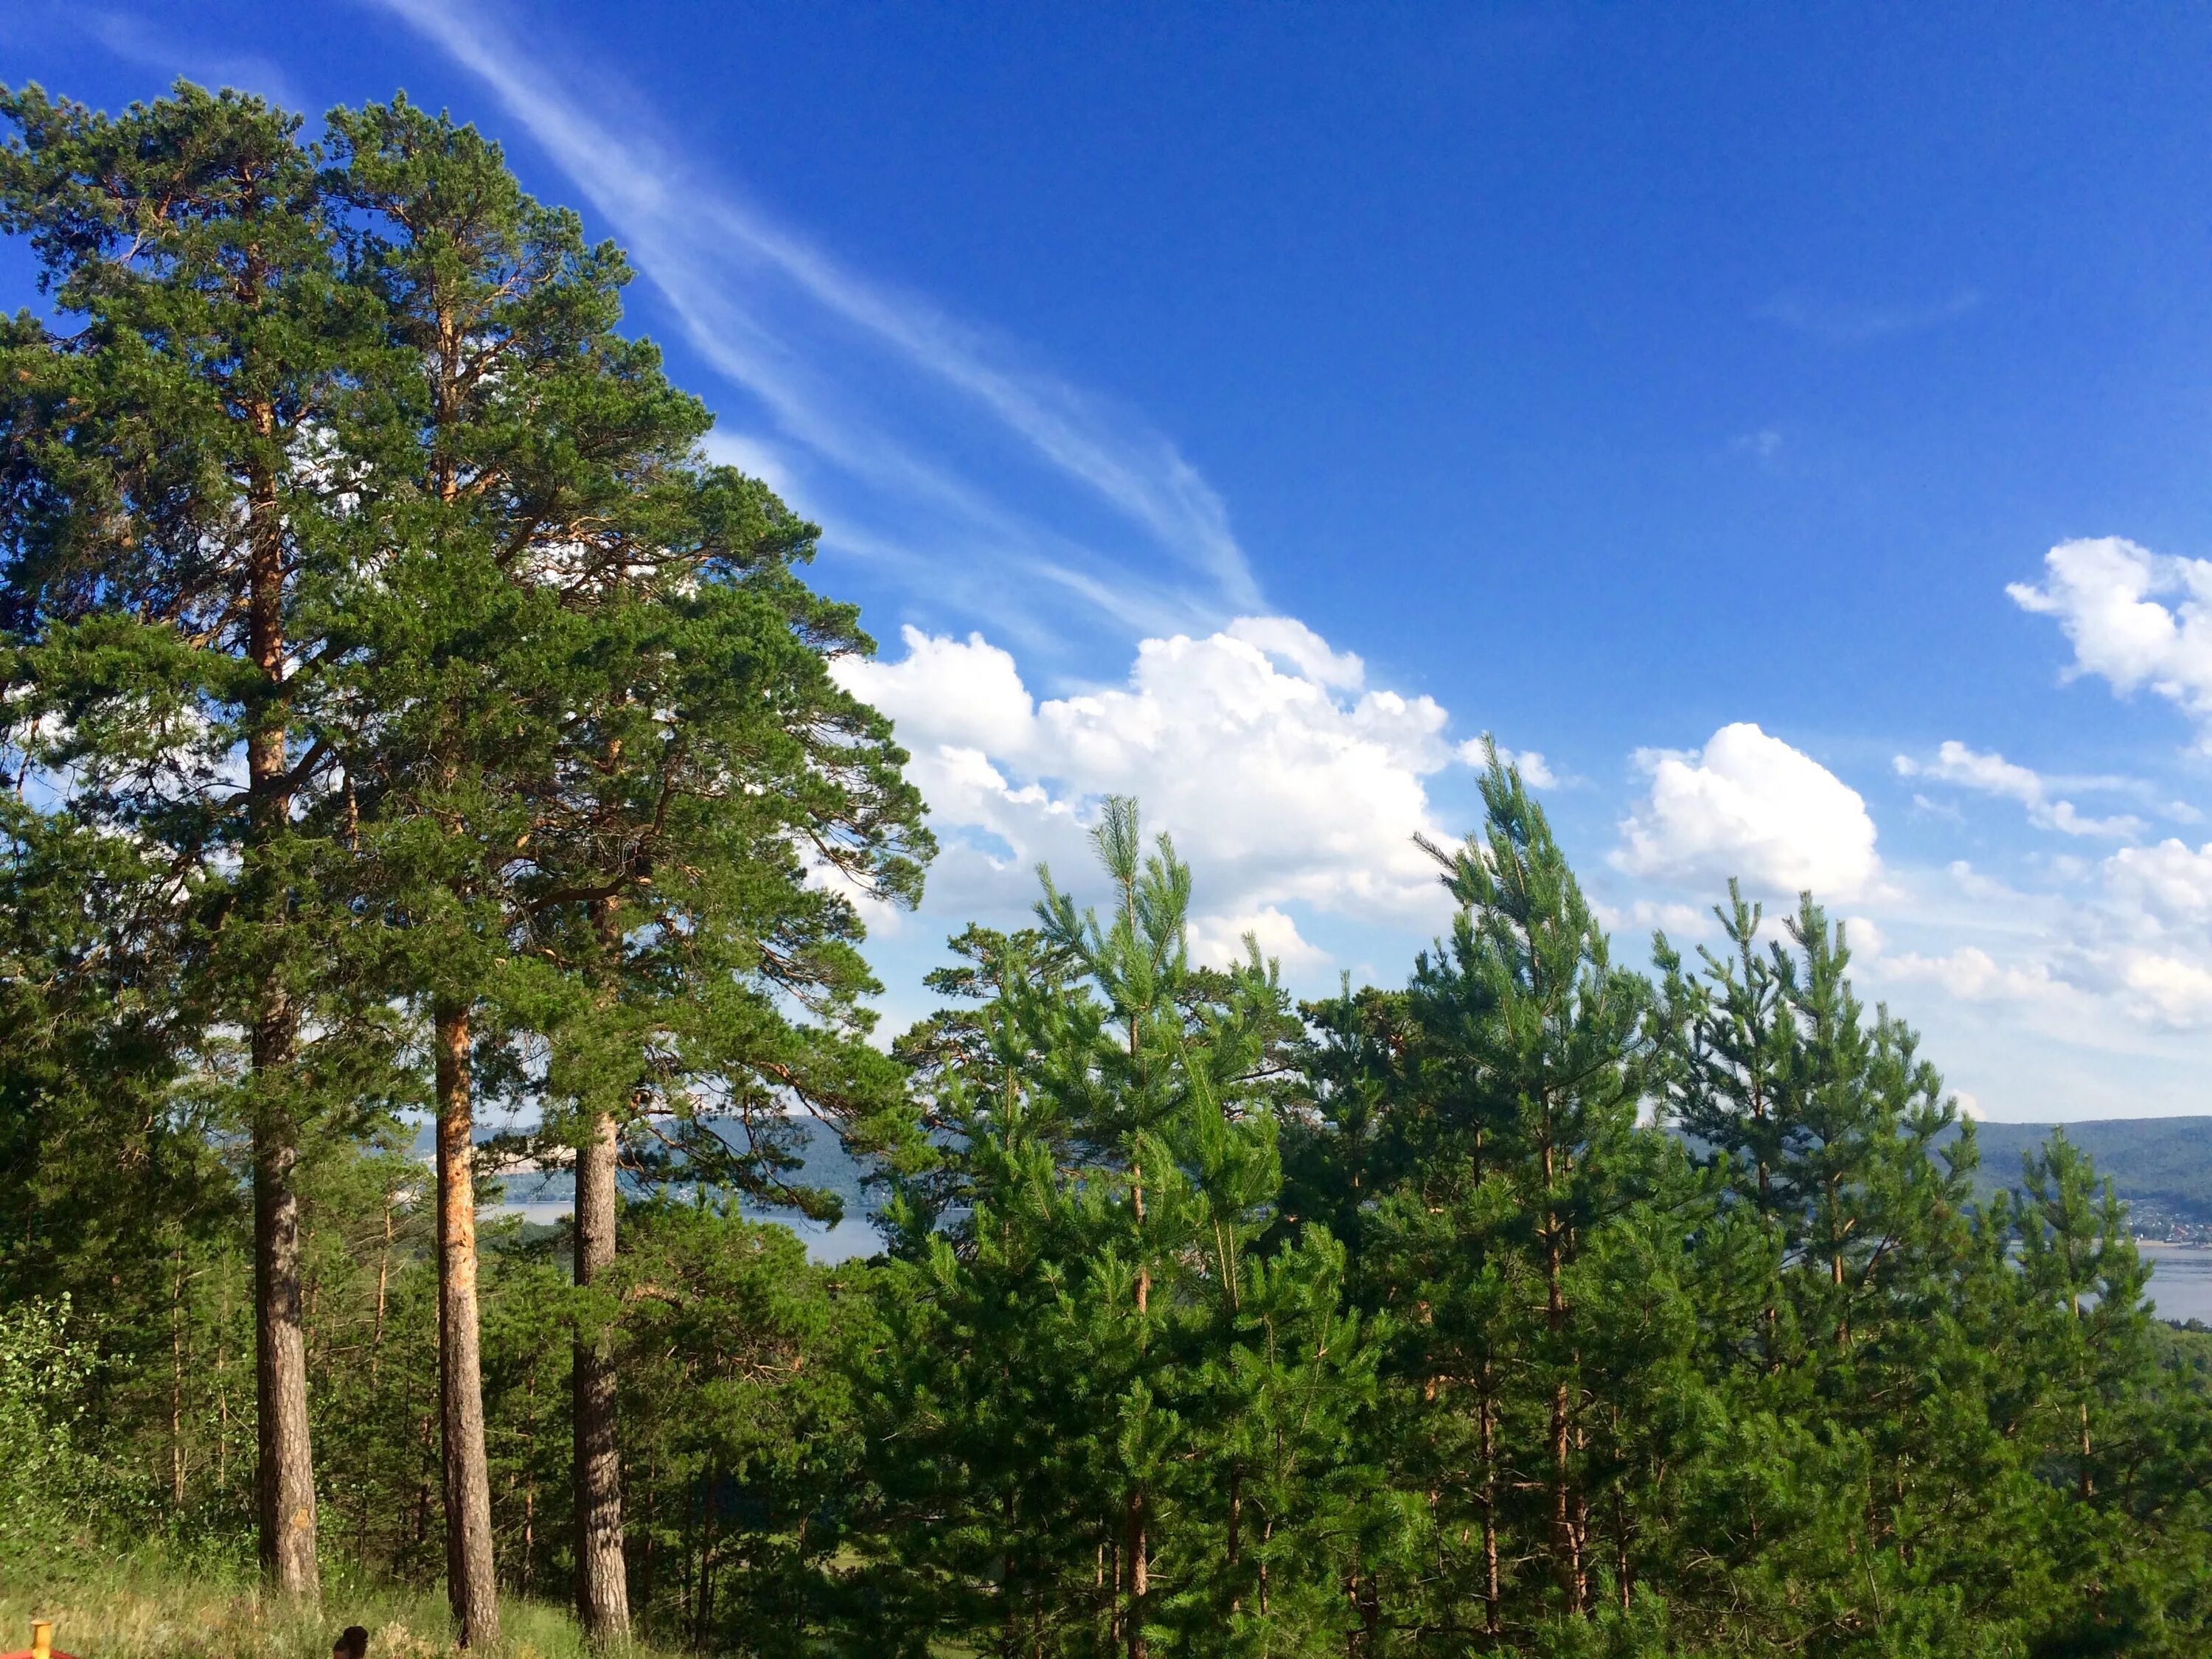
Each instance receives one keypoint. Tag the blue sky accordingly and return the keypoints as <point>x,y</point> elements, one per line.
<point>1790,429</point>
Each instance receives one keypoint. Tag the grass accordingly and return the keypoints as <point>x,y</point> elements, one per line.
<point>146,1607</point>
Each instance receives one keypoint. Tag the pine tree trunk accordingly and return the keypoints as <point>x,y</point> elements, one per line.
<point>469,1584</point>
<point>1236,1523</point>
<point>1565,1562</point>
<point>1623,1575</point>
<point>1770,1316</point>
<point>383,1286</point>
<point>285,1474</point>
<point>1140,1576</point>
<point>177,1383</point>
<point>1109,1580</point>
<point>1492,1607</point>
<point>1567,1555</point>
<point>1139,1569</point>
<point>601,1577</point>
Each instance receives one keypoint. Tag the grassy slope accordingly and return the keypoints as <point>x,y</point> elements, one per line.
<point>149,1610</point>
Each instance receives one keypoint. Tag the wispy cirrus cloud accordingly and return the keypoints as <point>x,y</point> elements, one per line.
<point>874,398</point>
<point>1993,774</point>
<point>1848,322</point>
<point>137,41</point>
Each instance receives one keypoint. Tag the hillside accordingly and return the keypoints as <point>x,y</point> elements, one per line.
<point>2162,1166</point>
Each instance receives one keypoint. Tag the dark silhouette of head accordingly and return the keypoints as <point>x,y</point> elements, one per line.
<point>352,1644</point>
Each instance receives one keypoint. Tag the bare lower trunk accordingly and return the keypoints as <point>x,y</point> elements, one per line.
<point>1110,1564</point>
<point>1566,1552</point>
<point>177,1383</point>
<point>1491,1605</point>
<point>1624,1576</point>
<point>469,1584</point>
<point>222,1393</point>
<point>602,1577</point>
<point>1140,1581</point>
<point>1566,1559</point>
<point>1139,1569</point>
<point>285,1474</point>
<point>383,1284</point>
<point>1235,1524</point>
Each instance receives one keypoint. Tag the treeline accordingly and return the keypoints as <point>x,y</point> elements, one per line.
<point>404,716</point>
<point>1543,1306</point>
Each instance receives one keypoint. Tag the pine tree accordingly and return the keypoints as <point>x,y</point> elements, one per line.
<point>1341,1133</point>
<point>1837,1141</point>
<point>599,742</point>
<point>2080,1270</point>
<point>1127,1416</point>
<point>179,545</point>
<point>1536,1048</point>
<point>2093,1407</point>
<point>492,308</point>
<point>116,1196</point>
<point>1729,1042</point>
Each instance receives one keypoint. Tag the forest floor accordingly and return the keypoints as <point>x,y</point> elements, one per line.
<point>149,1608</point>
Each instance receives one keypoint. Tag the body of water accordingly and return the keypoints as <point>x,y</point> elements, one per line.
<point>854,1235</point>
<point>2181,1285</point>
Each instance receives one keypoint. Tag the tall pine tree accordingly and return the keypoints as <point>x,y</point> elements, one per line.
<point>180,542</point>
<point>601,754</point>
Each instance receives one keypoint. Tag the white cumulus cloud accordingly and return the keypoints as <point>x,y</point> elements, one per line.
<point>1748,804</point>
<point>1282,780</point>
<point>2170,991</point>
<point>2134,952</point>
<point>1218,940</point>
<point>2149,943</point>
<point>1306,651</point>
<point>1645,915</point>
<point>2168,887</point>
<point>2134,618</point>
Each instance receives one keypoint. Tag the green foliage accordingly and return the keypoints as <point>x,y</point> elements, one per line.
<point>1110,1417</point>
<point>742,1437</point>
<point>43,1473</point>
<point>181,551</point>
<point>593,740</point>
<point>1546,1402</point>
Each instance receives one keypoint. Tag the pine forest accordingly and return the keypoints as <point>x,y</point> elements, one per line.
<point>409,731</point>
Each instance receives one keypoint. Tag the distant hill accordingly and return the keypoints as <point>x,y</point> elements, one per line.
<point>2161,1166</point>
<point>827,1165</point>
